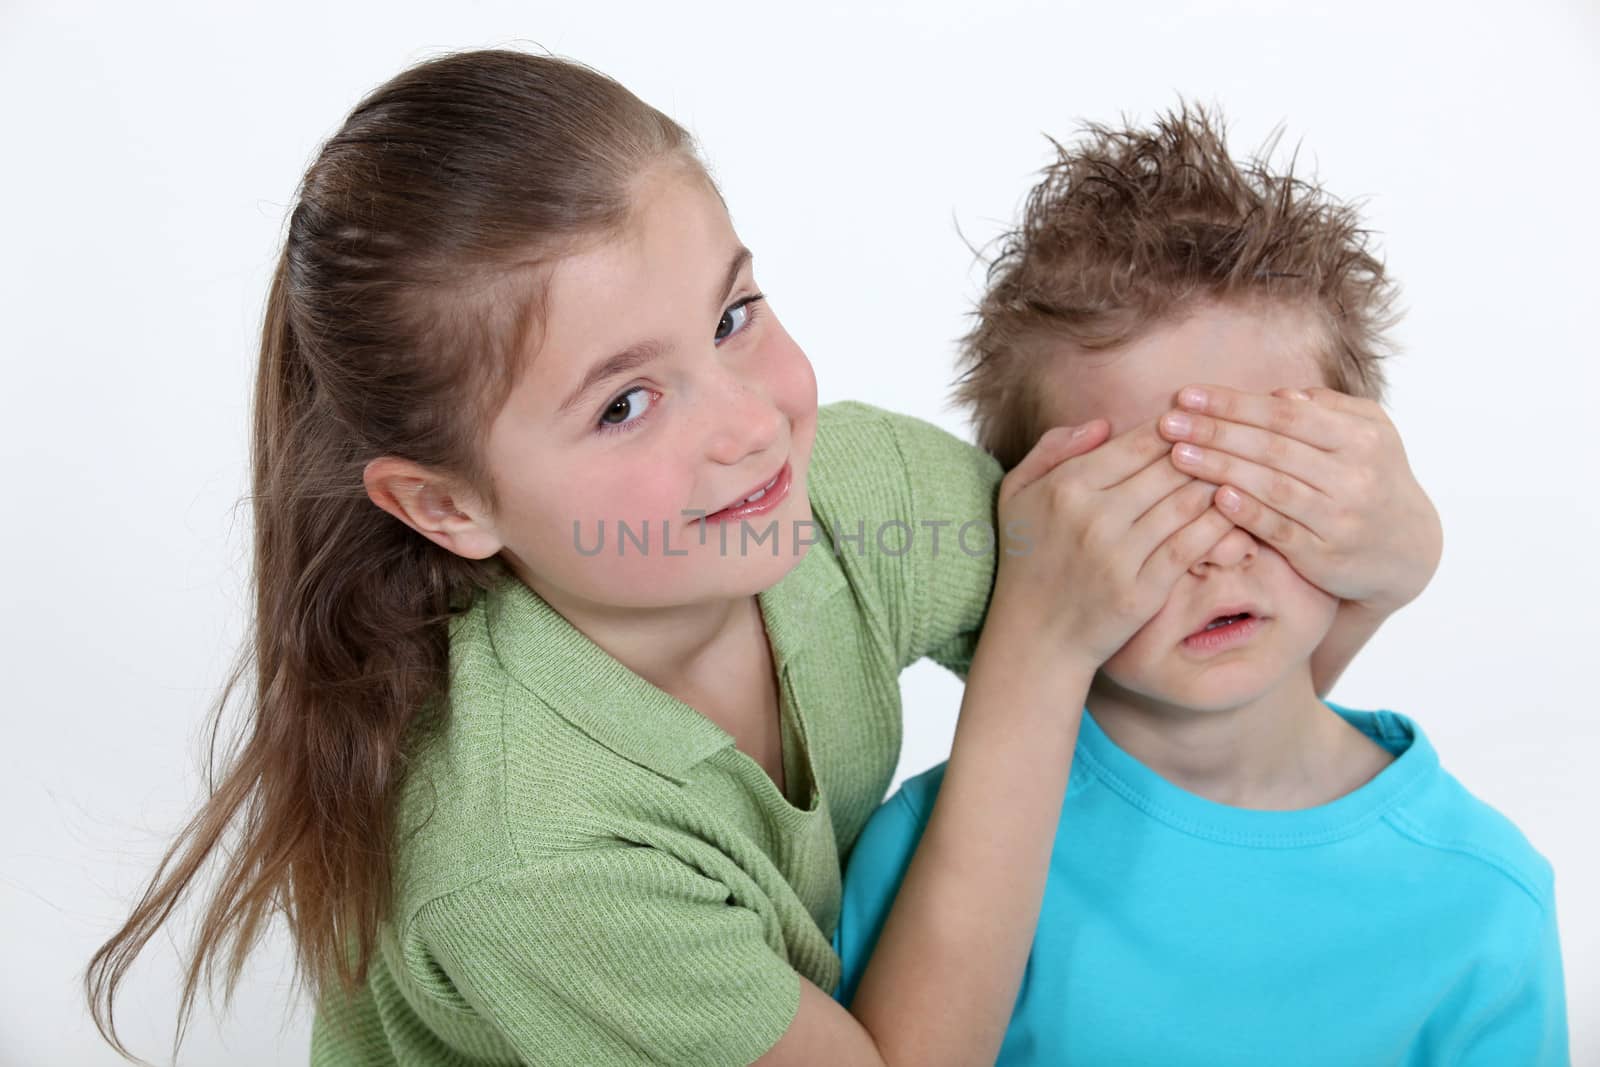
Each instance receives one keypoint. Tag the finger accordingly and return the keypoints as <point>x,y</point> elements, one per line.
<point>1124,456</point>
<point>1169,515</point>
<point>1102,467</point>
<point>1196,433</point>
<point>1294,540</point>
<point>1301,502</point>
<point>1054,446</point>
<point>1184,548</point>
<point>1334,400</point>
<point>1125,503</point>
<point>1307,421</point>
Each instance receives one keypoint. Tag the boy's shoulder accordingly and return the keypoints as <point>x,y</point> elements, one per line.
<point>896,826</point>
<point>1438,814</point>
<point>918,792</point>
<point>1445,817</point>
<point>1467,854</point>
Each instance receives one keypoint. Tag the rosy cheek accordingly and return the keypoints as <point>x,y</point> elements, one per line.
<point>792,380</point>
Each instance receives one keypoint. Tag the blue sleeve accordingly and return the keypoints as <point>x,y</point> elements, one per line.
<point>1528,1025</point>
<point>872,878</point>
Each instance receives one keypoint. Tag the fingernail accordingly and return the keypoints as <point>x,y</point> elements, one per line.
<point>1077,432</point>
<point>1228,500</point>
<point>1188,453</point>
<point>1176,423</point>
<point>1299,394</point>
<point>1192,398</point>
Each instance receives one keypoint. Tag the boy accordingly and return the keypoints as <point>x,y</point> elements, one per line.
<point>1244,874</point>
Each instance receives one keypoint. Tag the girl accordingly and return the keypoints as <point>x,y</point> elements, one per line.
<point>546,762</point>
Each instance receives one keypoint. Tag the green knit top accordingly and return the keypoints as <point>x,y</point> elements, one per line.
<point>588,871</point>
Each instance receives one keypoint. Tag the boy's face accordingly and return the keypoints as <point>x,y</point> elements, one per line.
<point>1253,349</point>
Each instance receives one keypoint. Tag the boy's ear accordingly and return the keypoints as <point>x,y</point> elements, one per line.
<point>445,513</point>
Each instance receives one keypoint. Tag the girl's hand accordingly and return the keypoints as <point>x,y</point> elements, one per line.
<point>1320,476</point>
<point>1095,536</point>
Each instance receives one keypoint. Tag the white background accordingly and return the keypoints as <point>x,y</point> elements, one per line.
<point>149,157</point>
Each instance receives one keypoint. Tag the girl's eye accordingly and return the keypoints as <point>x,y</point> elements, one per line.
<point>736,318</point>
<point>625,409</point>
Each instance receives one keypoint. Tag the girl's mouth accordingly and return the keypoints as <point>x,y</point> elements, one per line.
<point>760,502</point>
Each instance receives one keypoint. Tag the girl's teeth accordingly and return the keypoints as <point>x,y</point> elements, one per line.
<point>759,493</point>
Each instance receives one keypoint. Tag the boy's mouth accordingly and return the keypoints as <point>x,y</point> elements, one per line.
<point>1227,615</point>
<point>1234,626</point>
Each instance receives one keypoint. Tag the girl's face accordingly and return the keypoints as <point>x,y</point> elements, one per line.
<point>663,391</point>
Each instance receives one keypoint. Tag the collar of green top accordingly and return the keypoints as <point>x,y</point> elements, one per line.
<point>596,693</point>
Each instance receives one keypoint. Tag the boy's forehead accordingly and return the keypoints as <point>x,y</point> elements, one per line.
<point>1254,350</point>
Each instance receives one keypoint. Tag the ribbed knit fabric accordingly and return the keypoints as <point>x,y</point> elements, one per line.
<point>590,872</point>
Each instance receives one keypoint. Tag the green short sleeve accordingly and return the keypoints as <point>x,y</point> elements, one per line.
<point>911,508</point>
<point>620,955</point>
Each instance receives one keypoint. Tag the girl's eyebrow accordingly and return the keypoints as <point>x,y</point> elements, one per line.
<point>638,354</point>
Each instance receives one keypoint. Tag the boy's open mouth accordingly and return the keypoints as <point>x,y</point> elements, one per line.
<point>1229,615</point>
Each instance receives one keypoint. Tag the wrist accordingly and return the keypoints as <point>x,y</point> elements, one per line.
<point>1026,644</point>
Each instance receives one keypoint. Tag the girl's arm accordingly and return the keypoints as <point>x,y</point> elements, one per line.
<point>1353,626</point>
<point>1108,534</point>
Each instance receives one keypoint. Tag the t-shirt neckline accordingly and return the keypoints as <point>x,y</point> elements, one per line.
<point>1101,757</point>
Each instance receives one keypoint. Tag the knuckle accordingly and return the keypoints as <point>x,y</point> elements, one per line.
<point>1276,449</point>
<point>1124,599</point>
<point>1369,408</point>
<point>1347,527</point>
<point>1097,533</point>
<point>1280,531</point>
<point>1363,483</point>
<point>1282,417</point>
<point>1062,496</point>
<point>1280,491</point>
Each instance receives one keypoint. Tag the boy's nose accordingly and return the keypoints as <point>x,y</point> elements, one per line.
<point>1236,549</point>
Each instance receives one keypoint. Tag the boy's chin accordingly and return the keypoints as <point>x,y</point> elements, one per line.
<point>1212,692</point>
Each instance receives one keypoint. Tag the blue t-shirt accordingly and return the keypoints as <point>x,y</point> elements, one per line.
<point>1406,922</point>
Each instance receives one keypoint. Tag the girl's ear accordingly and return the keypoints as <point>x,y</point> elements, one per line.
<point>445,514</point>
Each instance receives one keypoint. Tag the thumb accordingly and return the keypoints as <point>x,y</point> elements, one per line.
<point>1056,445</point>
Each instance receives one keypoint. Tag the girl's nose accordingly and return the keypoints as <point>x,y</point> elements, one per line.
<point>744,422</point>
<point>1236,549</point>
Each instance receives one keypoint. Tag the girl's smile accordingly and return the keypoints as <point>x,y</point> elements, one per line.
<point>665,397</point>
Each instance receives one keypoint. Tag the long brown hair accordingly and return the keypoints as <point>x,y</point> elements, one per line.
<point>400,315</point>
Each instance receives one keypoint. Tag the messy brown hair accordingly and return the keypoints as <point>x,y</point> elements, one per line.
<point>1131,228</point>
<point>398,319</point>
